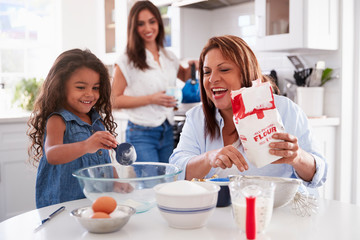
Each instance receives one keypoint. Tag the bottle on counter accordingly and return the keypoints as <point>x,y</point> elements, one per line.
<point>315,78</point>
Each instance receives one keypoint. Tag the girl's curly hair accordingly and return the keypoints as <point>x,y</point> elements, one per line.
<point>52,96</point>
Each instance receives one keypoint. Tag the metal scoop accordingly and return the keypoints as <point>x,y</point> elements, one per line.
<point>125,152</point>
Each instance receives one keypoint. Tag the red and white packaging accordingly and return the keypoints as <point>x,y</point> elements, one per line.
<point>256,120</point>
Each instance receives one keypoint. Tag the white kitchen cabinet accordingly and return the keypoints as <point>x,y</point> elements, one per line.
<point>324,131</point>
<point>17,176</point>
<point>112,33</point>
<point>297,24</point>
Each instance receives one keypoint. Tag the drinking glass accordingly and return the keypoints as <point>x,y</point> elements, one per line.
<point>176,92</point>
<point>264,201</point>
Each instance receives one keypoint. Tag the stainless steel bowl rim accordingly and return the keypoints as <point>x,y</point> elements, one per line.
<point>268,178</point>
<point>130,211</point>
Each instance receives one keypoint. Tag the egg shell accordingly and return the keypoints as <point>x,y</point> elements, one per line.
<point>87,213</point>
<point>118,214</point>
<point>104,204</point>
<point>100,215</point>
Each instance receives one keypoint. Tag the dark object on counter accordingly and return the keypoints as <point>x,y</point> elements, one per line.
<point>59,210</point>
<point>273,75</point>
<point>177,128</point>
<point>224,198</point>
<point>301,76</point>
<point>191,90</point>
<point>296,62</point>
<point>274,79</point>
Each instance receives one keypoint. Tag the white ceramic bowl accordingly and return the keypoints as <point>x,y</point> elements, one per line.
<point>121,214</point>
<point>285,189</point>
<point>187,210</point>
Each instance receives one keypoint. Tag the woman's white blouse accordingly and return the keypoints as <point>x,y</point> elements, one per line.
<point>150,81</point>
<point>193,143</point>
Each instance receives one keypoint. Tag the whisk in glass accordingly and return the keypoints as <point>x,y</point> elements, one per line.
<point>305,204</point>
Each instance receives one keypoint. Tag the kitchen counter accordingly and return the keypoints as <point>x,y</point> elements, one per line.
<point>14,116</point>
<point>335,220</point>
<point>325,121</point>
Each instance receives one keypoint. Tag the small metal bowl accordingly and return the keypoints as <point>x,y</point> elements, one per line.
<point>103,225</point>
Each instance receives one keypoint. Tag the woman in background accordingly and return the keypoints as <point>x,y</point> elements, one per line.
<point>140,80</point>
<point>209,143</point>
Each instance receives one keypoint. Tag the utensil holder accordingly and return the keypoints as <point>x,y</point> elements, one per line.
<point>311,100</point>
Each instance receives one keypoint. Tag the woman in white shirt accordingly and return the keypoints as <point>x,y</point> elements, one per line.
<point>209,143</point>
<point>140,80</point>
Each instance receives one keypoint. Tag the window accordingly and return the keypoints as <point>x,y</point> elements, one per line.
<point>27,39</point>
<point>166,17</point>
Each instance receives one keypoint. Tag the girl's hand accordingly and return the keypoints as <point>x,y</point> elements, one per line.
<point>160,98</point>
<point>100,139</point>
<point>227,156</point>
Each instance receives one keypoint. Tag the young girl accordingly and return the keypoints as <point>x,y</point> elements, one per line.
<point>74,100</point>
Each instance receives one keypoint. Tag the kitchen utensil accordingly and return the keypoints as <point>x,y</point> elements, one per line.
<point>251,192</point>
<point>129,185</point>
<point>301,76</point>
<point>264,192</point>
<point>121,216</point>
<point>285,188</point>
<point>125,152</point>
<point>315,79</point>
<point>59,210</point>
<point>305,204</point>
<point>296,62</point>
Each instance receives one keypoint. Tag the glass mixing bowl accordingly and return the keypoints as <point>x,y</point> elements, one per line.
<point>128,185</point>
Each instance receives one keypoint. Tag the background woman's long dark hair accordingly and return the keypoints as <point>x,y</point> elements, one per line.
<point>236,50</point>
<point>135,48</point>
<point>52,96</point>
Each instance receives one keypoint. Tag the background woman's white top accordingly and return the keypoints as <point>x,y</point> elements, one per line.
<point>150,81</point>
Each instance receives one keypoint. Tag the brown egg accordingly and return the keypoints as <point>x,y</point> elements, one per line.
<point>100,215</point>
<point>104,204</point>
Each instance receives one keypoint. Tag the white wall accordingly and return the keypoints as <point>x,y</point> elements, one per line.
<point>197,26</point>
<point>80,25</point>
<point>195,30</point>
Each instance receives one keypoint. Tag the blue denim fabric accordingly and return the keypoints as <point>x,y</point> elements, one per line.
<point>152,144</point>
<point>55,183</point>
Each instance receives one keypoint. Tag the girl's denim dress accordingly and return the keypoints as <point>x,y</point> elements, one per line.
<point>55,183</point>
